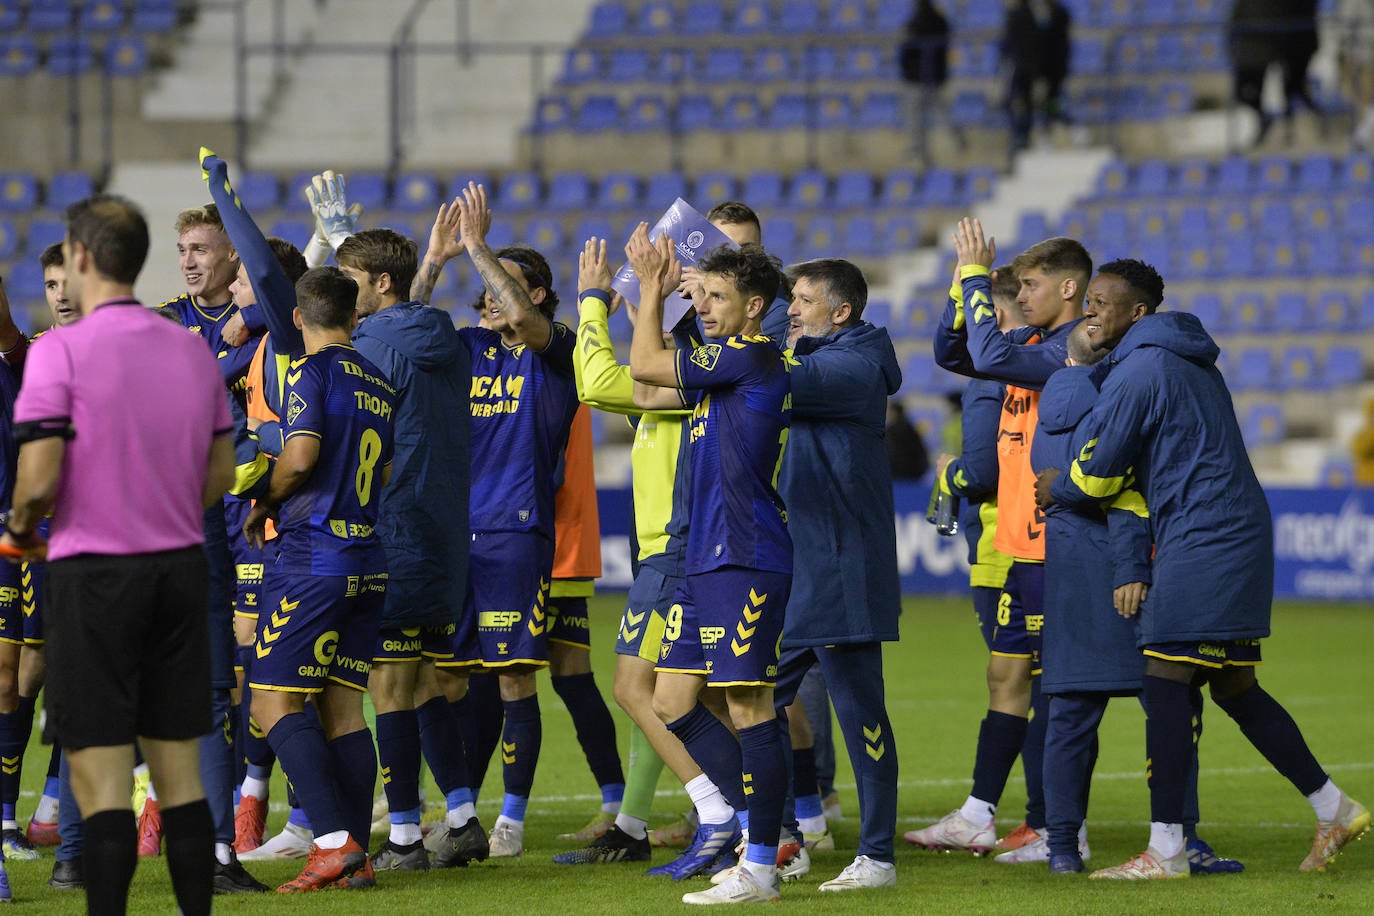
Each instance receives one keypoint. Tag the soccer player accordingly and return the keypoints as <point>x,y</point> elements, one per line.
<point>324,591</point>
<point>659,491</point>
<point>836,483</point>
<point>126,576</point>
<point>424,528</point>
<point>523,398</point>
<point>726,621</point>
<point>1053,276</point>
<point>1165,411</point>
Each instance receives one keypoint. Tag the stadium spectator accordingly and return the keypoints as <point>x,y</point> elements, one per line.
<point>1363,448</point>
<point>86,387</point>
<point>906,450</point>
<point>1297,45</point>
<point>739,554</point>
<point>1035,47</point>
<point>1254,33</point>
<point>1207,513</point>
<point>923,59</point>
<point>845,598</point>
<point>1355,60</point>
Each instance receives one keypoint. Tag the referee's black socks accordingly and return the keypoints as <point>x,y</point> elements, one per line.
<point>189,832</point>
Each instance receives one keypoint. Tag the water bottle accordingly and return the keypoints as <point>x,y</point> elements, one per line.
<point>943,511</point>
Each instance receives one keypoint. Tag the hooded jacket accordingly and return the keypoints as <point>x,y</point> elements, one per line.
<point>1165,414</point>
<point>837,486</point>
<point>424,512</point>
<point>1087,645</point>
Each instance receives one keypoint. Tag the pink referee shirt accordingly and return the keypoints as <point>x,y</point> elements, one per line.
<point>145,400</point>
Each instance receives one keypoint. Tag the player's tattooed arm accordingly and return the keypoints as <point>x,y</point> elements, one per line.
<point>445,244</point>
<point>652,366</point>
<point>534,329</point>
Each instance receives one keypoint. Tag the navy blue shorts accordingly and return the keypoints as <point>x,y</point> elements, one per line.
<point>986,601</point>
<point>505,618</point>
<point>412,643</point>
<point>315,629</point>
<point>11,605</point>
<point>248,560</point>
<point>646,613</point>
<point>726,625</point>
<point>568,622</point>
<point>1021,614</point>
<point>1214,653</point>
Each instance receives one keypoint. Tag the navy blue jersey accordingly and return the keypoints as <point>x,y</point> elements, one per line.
<point>327,525</point>
<point>737,433</point>
<point>522,405</point>
<point>233,361</point>
<point>9,452</point>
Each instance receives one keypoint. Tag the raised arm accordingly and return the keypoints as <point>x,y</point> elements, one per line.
<point>445,244</point>
<point>651,363</point>
<point>533,327</point>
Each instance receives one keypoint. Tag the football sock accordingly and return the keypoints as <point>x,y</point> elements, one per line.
<point>355,768</point>
<point>15,729</point>
<point>999,742</point>
<point>1033,757</point>
<point>520,746</point>
<point>715,750</point>
<point>298,818</point>
<point>712,808</point>
<point>398,752</point>
<point>1269,727</point>
<point>257,750</point>
<point>189,832</point>
<point>765,781</point>
<point>634,827</point>
<point>642,781</point>
<point>1166,839</point>
<point>256,786</point>
<point>306,759</point>
<point>480,721</point>
<point>1168,746</point>
<point>442,745</point>
<point>1326,802</point>
<point>595,733</point>
<point>1191,810</point>
<point>805,788</point>
<point>108,861</point>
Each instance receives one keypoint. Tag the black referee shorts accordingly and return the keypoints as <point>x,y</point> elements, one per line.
<point>128,648</point>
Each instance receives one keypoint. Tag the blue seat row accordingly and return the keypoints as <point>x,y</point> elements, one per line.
<point>618,19</point>
<point>762,64</point>
<point>1314,173</point>
<point>72,56</point>
<point>97,16</point>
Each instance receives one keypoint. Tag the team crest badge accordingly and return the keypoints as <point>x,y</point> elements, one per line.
<point>706,356</point>
<point>294,405</point>
<point>490,354</point>
<point>524,515</point>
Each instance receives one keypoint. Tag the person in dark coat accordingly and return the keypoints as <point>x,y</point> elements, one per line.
<point>923,58</point>
<point>1035,45</point>
<point>1255,33</point>
<point>906,450</point>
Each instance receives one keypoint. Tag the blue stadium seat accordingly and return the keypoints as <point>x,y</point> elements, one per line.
<point>126,56</point>
<point>368,189</point>
<point>1357,172</point>
<point>820,237</point>
<point>1235,257</point>
<point>259,191</point>
<point>628,65</point>
<point>295,231</point>
<point>1278,257</point>
<point>1150,222</point>
<point>1364,311</point>
<point>1344,366</point>
<point>1114,180</point>
<point>859,237</point>
<point>879,111</point>
<point>18,55</point>
<point>609,19</point>
<point>1249,313</point>
<point>940,187</point>
<point>1175,97</point>
<point>1194,223</point>
<point>675,65</point>
<point>581,65</point>
<point>66,188</point>
<point>501,234</point>
<point>822,62</point>
<point>774,64</point>
<point>981,16</point>
<point>153,16</point>
<point>798,17</point>
<point>1276,220</point>
<point>597,113</point>
<point>553,113</point>
<point>1337,472</point>
<point>1291,313</point>
<point>1193,176</point>
<point>789,111</point>
<point>890,15</point>
<point>1151,178</point>
<point>1362,254</point>
<point>879,312</point>
<point>1190,259</point>
<point>1033,227</point>
<point>516,193</point>
<point>1318,215</point>
<point>809,190</point>
<point>971,107</point>
<point>416,192</point>
<point>763,189</point>
<point>69,56</point>
<point>1207,51</point>
<point>752,17</point>
<point>1272,175</point>
<point>545,234</point>
<point>1133,54</point>
<point>1324,254</point>
<point>1298,369</point>
<point>1232,218</point>
<point>853,189</point>
<point>1171,50</point>
<point>102,16</point>
<point>901,232</point>
<point>1334,310</point>
<point>741,111</point>
<point>648,112</point>
<point>723,65</point>
<point>24,281</point>
<point>656,17</point>
<point>662,188</point>
<point>618,191</point>
<point>10,16</point>
<point>846,16</point>
<point>711,188</point>
<point>704,17</point>
<point>1204,11</point>
<point>456,184</point>
<point>51,15</point>
<point>900,188</point>
<point>831,110</point>
<point>695,111</point>
<point>1233,176</point>
<point>980,182</point>
<point>568,191</point>
<point>918,372</point>
<point>781,235</point>
<point>1088,56</point>
<point>1253,370</point>
<point>1262,424</point>
<point>1208,309</point>
<point>598,227</point>
<point>864,62</point>
<point>9,239</point>
<point>1357,217</point>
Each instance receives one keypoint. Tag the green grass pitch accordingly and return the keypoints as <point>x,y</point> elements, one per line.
<point>1317,664</point>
